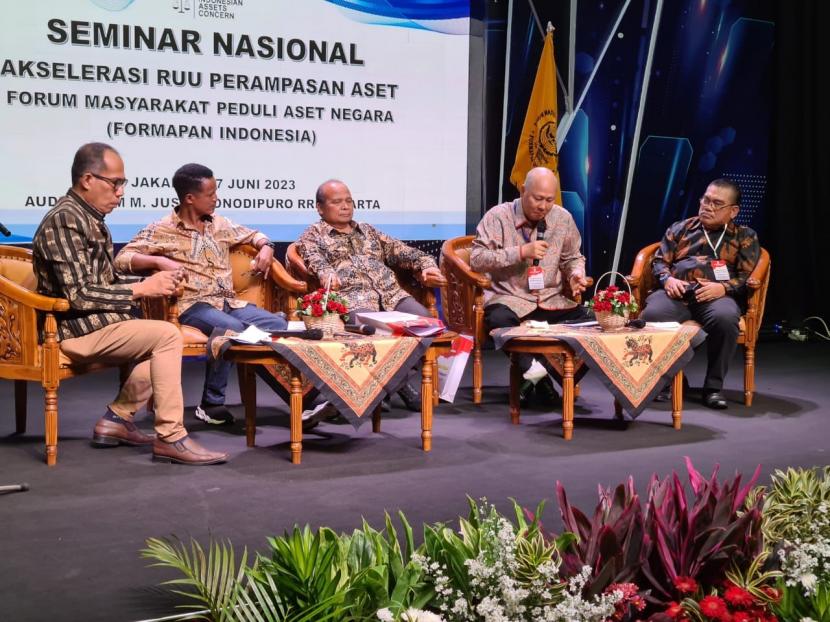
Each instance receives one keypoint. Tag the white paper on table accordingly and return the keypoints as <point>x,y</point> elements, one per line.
<point>293,325</point>
<point>665,325</point>
<point>252,335</point>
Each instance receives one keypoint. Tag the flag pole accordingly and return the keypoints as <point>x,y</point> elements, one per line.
<point>504,98</point>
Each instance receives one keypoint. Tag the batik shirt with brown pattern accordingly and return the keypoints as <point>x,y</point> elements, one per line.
<point>362,260</point>
<point>686,254</point>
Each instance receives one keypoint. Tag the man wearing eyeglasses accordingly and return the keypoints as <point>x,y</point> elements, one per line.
<point>73,259</point>
<point>702,265</point>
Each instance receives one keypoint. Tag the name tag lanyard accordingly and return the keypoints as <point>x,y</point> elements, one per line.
<point>720,239</point>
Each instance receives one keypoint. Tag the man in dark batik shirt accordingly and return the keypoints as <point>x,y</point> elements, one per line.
<point>357,260</point>
<point>702,266</point>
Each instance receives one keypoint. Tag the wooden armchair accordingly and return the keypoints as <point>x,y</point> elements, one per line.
<point>278,293</point>
<point>463,300</point>
<point>642,283</point>
<point>22,358</point>
<point>422,292</point>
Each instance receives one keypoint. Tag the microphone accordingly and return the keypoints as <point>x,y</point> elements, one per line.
<point>14,488</point>
<point>311,333</point>
<point>4,231</point>
<point>540,234</point>
<point>360,329</point>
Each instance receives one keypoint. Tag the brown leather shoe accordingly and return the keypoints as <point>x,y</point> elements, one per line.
<point>111,431</point>
<point>186,451</point>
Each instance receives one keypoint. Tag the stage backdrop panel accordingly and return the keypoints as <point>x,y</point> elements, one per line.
<point>276,96</point>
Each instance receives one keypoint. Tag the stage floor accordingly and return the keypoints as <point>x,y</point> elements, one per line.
<point>69,546</point>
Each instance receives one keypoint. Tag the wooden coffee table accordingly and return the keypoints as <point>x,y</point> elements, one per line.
<point>247,356</point>
<point>550,345</point>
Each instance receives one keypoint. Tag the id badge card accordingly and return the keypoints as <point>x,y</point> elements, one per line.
<point>720,270</point>
<point>535,278</point>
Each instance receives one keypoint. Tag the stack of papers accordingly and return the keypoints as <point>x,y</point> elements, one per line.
<point>397,323</point>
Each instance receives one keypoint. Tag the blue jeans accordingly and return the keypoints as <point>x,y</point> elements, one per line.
<point>207,318</point>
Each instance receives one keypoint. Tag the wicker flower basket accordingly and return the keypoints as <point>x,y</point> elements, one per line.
<point>608,320</point>
<point>329,323</point>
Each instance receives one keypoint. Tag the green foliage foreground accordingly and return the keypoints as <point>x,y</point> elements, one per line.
<point>709,551</point>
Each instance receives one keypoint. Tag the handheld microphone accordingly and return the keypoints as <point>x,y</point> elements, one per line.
<point>360,329</point>
<point>311,333</point>
<point>14,488</point>
<point>4,231</point>
<point>540,234</point>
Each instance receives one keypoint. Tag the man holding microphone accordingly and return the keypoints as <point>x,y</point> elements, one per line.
<point>530,248</point>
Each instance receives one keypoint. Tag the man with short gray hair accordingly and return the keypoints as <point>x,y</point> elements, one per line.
<point>72,251</point>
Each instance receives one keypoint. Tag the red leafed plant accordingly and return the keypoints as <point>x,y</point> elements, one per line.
<point>676,544</point>
<point>319,303</point>
<point>610,542</point>
<point>699,536</point>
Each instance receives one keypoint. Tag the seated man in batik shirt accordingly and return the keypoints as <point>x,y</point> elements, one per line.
<point>702,265</point>
<point>530,248</point>
<point>199,241</point>
<point>357,259</point>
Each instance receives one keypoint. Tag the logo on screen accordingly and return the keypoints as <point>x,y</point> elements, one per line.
<point>214,9</point>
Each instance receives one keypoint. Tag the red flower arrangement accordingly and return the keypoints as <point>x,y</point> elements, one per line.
<point>732,603</point>
<point>612,299</point>
<point>630,604</point>
<point>318,303</point>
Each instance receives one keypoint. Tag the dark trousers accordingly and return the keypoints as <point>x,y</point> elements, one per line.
<point>501,316</point>
<point>205,317</point>
<point>719,319</point>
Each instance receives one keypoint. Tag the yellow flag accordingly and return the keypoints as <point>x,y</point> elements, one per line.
<point>537,144</point>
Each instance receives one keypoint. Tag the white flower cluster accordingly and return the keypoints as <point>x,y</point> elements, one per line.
<point>410,615</point>
<point>574,608</point>
<point>498,595</point>
<point>806,560</point>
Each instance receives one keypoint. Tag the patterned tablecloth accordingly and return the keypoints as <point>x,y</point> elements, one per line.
<point>634,363</point>
<point>353,372</point>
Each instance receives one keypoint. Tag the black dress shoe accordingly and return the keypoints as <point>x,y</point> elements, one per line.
<point>664,395</point>
<point>526,393</point>
<point>714,399</point>
<point>410,397</point>
<point>546,393</point>
<point>665,392</point>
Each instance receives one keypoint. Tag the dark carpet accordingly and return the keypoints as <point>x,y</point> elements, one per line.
<point>69,547</point>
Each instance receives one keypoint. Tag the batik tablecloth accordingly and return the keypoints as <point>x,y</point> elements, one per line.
<point>633,363</point>
<point>353,372</point>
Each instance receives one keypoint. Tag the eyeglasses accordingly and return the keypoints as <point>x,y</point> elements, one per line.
<point>715,205</point>
<point>115,183</point>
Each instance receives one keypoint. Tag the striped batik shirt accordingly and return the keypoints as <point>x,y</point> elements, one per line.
<point>73,259</point>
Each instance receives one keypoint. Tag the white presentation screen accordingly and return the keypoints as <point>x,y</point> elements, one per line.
<point>275,96</point>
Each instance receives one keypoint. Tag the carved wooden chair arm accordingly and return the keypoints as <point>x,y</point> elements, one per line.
<point>279,275</point>
<point>31,299</point>
<point>465,273</point>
